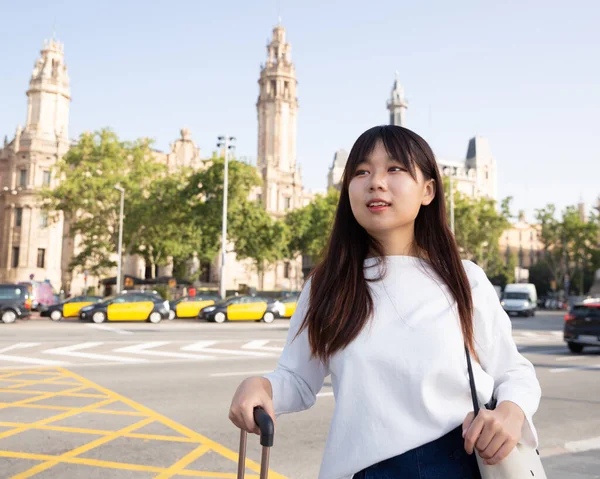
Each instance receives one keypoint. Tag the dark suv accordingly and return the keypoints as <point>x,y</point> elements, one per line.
<point>14,302</point>
<point>582,325</point>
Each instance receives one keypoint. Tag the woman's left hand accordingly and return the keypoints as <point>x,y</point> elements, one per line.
<point>494,433</point>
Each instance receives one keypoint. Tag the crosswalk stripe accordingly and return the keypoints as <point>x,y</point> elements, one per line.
<point>142,349</point>
<point>27,360</point>
<point>18,346</point>
<point>74,352</point>
<point>105,327</point>
<point>203,345</point>
<point>36,361</point>
<point>260,345</point>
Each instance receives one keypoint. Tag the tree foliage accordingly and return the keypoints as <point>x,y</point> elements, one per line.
<point>311,225</point>
<point>478,225</point>
<point>570,246</point>
<point>89,201</point>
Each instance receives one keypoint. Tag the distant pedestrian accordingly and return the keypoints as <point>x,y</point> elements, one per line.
<point>388,312</point>
<point>192,291</point>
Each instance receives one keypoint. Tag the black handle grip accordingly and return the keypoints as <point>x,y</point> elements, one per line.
<point>266,426</point>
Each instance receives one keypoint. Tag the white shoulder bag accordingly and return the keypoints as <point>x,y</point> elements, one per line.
<point>522,463</point>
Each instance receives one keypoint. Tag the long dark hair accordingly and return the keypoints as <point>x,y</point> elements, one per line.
<point>340,300</point>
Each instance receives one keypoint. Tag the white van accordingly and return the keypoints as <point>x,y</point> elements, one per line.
<point>520,299</point>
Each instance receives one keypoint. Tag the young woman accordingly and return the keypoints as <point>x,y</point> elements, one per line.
<point>388,312</point>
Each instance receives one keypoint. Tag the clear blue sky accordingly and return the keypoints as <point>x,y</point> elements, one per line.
<point>524,74</point>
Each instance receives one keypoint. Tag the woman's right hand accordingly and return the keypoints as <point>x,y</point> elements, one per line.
<point>252,392</point>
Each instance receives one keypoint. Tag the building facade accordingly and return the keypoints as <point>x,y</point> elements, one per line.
<point>474,176</point>
<point>281,190</point>
<point>31,246</point>
<point>522,240</point>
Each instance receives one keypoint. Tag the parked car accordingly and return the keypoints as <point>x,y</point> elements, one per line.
<point>15,302</point>
<point>290,302</point>
<point>519,299</point>
<point>69,308</point>
<point>582,325</point>
<point>40,293</point>
<point>243,308</point>
<point>127,307</point>
<point>190,306</point>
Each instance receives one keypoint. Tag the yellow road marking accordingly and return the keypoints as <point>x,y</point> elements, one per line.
<point>159,437</point>
<point>115,465</point>
<point>41,397</point>
<point>28,371</point>
<point>57,417</point>
<point>29,382</point>
<point>99,432</point>
<point>58,393</point>
<point>184,462</point>
<point>215,446</point>
<point>66,408</point>
<point>59,375</point>
<point>80,450</point>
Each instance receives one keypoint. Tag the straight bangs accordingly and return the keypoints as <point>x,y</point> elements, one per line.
<point>396,147</point>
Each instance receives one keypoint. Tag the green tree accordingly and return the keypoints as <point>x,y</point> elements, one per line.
<point>166,221</point>
<point>478,226</point>
<point>311,225</point>
<point>570,245</point>
<point>204,196</point>
<point>259,237</point>
<point>89,201</point>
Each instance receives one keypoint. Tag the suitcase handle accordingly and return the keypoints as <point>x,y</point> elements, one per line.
<point>267,434</point>
<point>266,426</point>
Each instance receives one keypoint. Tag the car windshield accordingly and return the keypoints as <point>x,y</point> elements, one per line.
<point>586,312</point>
<point>13,292</point>
<point>516,295</point>
<point>108,299</point>
<point>227,300</point>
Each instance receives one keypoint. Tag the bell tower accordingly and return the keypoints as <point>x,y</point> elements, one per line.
<point>49,96</point>
<point>397,104</point>
<point>277,109</point>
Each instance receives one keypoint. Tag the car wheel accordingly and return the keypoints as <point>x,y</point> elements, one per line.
<point>98,317</point>
<point>268,317</point>
<point>220,318</point>
<point>575,348</point>
<point>154,317</point>
<point>533,314</point>
<point>55,315</point>
<point>171,315</point>
<point>9,316</point>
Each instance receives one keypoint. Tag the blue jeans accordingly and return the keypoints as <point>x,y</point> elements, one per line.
<point>444,458</point>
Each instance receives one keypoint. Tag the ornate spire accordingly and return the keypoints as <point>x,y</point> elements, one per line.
<point>397,104</point>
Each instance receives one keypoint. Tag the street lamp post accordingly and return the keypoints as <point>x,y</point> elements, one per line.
<point>226,143</point>
<point>120,250</point>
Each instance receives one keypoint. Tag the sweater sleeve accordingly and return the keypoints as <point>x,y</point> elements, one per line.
<point>514,376</point>
<point>298,377</point>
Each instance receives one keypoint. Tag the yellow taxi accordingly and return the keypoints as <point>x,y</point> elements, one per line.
<point>290,302</point>
<point>190,306</point>
<point>133,306</point>
<point>243,308</point>
<point>69,308</point>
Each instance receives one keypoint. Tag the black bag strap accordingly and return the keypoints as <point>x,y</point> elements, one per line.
<point>472,382</point>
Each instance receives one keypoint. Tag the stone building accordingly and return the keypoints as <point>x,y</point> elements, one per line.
<point>281,191</point>
<point>30,244</point>
<point>522,240</point>
<point>474,176</point>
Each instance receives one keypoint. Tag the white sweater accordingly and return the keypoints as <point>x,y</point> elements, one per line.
<point>403,381</point>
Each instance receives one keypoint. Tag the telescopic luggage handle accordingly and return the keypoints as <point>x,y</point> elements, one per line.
<point>267,433</point>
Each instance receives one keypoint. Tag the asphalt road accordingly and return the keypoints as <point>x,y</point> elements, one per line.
<point>135,400</point>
